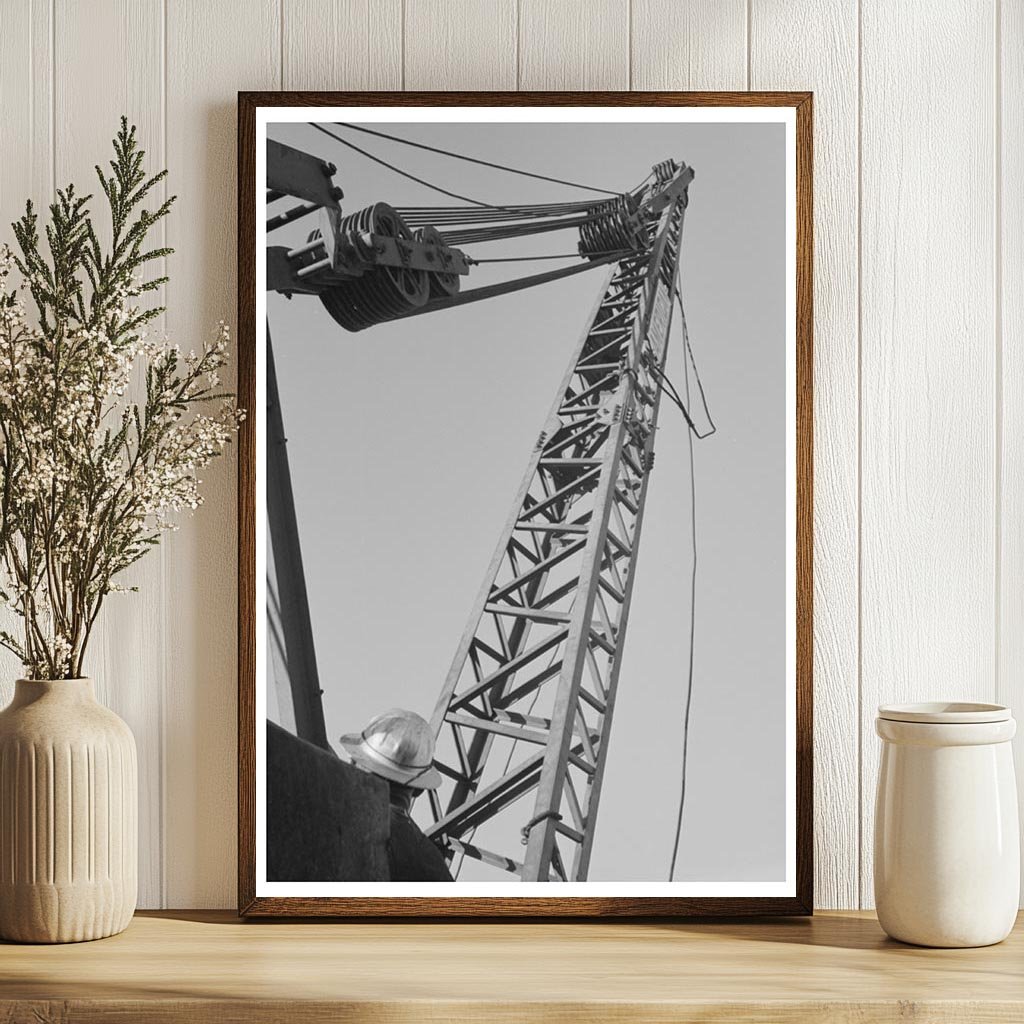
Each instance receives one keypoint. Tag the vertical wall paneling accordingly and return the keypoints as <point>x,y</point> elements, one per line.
<point>123,658</point>
<point>466,45</point>
<point>928,363</point>
<point>919,353</point>
<point>342,44</point>
<point>26,105</point>
<point>574,44</point>
<point>689,44</point>
<point>213,51</point>
<point>814,46</point>
<point>1010,239</point>
<point>26,122</point>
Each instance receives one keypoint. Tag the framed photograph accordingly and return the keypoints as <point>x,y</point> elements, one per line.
<point>485,340</point>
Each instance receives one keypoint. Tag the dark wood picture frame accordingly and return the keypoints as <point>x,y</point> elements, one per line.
<point>249,904</point>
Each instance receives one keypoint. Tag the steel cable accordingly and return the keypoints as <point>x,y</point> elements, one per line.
<point>471,215</point>
<point>555,256</point>
<point>513,231</point>
<point>696,372</point>
<point>398,170</point>
<point>472,159</point>
<point>693,590</point>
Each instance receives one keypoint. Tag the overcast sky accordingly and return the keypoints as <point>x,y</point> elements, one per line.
<point>408,441</point>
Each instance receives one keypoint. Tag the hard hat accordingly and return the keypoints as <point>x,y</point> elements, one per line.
<point>397,745</point>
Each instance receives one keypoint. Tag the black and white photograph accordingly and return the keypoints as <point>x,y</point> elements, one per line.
<point>526,477</point>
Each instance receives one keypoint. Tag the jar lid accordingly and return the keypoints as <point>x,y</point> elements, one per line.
<point>945,712</point>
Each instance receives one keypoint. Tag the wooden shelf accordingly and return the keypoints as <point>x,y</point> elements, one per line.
<point>209,966</point>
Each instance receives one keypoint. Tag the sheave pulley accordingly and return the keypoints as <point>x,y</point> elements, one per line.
<point>385,291</point>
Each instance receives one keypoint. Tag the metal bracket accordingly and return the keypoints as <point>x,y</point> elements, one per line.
<point>335,257</point>
<point>281,274</point>
<point>400,252</point>
<point>536,820</point>
<point>290,172</point>
<point>676,187</point>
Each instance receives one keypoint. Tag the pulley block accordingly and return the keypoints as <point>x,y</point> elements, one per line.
<point>383,292</point>
<point>443,283</point>
<point>617,226</point>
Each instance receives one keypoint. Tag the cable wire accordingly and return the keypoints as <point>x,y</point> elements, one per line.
<point>457,214</point>
<point>693,627</point>
<point>693,364</point>
<point>670,389</point>
<point>398,170</point>
<point>558,256</point>
<point>640,184</point>
<point>531,227</point>
<point>472,159</point>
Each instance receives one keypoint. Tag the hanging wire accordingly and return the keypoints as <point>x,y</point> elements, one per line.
<point>472,159</point>
<point>693,602</point>
<point>678,401</point>
<point>693,366</point>
<point>398,170</point>
<point>670,389</point>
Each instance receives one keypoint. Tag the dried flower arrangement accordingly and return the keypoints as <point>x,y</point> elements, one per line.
<point>90,477</point>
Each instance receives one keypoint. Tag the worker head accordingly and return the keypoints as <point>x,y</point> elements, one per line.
<point>399,747</point>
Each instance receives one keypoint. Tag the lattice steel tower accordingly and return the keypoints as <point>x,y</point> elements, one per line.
<point>524,717</point>
<point>538,665</point>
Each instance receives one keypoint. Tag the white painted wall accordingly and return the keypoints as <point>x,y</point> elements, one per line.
<point>919,164</point>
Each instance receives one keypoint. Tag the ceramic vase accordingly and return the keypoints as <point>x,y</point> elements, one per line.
<point>947,848</point>
<point>68,813</point>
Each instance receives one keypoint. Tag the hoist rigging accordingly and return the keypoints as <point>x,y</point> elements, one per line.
<point>538,665</point>
<point>471,159</point>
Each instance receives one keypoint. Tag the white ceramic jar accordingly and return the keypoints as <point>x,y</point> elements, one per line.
<point>947,848</point>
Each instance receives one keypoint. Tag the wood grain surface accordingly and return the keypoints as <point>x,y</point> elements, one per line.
<point>199,967</point>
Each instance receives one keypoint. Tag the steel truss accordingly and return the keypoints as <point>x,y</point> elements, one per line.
<point>527,706</point>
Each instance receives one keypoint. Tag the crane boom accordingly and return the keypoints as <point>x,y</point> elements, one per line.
<point>526,709</point>
<point>524,717</point>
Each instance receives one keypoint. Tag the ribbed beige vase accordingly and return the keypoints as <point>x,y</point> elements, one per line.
<point>68,812</point>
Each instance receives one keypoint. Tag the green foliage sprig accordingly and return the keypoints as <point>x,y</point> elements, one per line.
<point>90,477</point>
